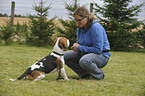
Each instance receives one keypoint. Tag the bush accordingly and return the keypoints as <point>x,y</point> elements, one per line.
<point>20,32</point>
<point>119,40</point>
<point>141,35</point>
<point>6,33</point>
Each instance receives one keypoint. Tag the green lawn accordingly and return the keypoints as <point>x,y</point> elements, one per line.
<point>124,75</point>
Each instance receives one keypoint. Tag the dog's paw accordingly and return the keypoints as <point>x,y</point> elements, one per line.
<point>12,79</point>
<point>66,79</point>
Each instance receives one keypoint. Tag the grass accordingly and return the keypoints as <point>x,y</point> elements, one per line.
<point>124,75</point>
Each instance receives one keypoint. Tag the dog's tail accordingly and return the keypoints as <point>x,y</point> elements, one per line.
<point>28,71</point>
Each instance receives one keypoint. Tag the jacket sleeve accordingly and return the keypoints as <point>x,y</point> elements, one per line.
<point>77,34</point>
<point>97,42</point>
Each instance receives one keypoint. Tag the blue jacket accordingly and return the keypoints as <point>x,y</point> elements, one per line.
<point>93,40</point>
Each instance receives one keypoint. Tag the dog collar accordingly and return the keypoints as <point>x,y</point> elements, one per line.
<point>57,55</point>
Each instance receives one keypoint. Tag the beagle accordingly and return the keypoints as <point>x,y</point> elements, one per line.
<point>51,63</point>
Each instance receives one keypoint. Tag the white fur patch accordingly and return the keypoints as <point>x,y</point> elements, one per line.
<point>68,42</point>
<point>34,66</point>
<point>39,77</point>
<point>12,79</point>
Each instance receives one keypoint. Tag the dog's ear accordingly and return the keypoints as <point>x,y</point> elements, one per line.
<point>54,41</point>
<point>63,43</point>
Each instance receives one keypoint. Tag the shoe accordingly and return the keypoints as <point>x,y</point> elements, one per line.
<point>76,78</point>
<point>97,78</point>
<point>87,76</point>
<point>103,76</point>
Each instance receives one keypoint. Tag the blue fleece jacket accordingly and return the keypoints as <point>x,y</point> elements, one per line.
<point>93,40</point>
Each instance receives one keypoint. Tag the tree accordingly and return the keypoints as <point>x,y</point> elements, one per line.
<point>20,32</point>
<point>6,33</point>
<point>119,21</point>
<point>41,28</point>
<point>3,15</point>
<point>70,28</point>
<point>141,35</point>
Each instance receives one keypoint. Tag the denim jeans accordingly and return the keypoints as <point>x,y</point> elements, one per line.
<point>86,64</point>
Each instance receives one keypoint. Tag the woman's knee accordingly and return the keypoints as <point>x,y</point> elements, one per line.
<point>84,62</point>
<point>67,55</point>
<point>88,65</point>
<point>70,55</point>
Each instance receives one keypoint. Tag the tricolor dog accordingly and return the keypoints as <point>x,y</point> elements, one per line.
<point>54,61</point>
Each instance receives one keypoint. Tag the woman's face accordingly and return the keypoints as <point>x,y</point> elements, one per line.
<point>81,21</point>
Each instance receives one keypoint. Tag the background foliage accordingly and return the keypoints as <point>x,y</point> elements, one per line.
<point>6,33</point>
<point>41,29</point>
<point>140,35</point>
<point>119,24</point>
<point>119,21</point>
<point>69,27</point>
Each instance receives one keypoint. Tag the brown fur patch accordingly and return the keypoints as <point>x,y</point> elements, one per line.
<point>35,75</point>
<point>63,43</point>
<point>54,42</point>
<point>58,63</point>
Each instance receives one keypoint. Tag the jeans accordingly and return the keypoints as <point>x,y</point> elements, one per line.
<point>86,64</point>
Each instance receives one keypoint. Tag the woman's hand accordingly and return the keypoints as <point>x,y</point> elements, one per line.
<point>75,47</point>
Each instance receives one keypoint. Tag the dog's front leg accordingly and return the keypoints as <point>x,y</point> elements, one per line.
<point>63,74</point>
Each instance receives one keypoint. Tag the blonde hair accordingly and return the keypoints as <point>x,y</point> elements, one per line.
<point>83,12</point>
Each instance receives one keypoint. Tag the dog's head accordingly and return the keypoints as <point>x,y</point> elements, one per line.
<point>61,44</point>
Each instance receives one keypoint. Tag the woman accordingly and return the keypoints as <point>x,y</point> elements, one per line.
<point>91,50</point>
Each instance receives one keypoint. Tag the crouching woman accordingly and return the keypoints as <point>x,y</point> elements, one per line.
<point>91,50</point>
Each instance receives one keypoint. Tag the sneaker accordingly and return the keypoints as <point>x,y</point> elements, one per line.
<point>97,78</point>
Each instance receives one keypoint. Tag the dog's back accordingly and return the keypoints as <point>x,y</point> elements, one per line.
<point>49,64</point>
